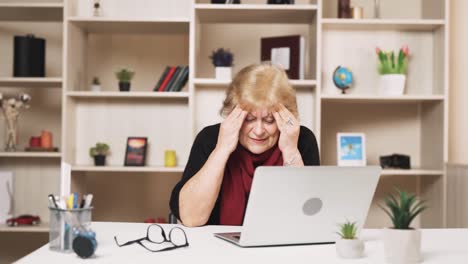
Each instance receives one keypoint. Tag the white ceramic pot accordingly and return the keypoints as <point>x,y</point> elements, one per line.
<point>392,84</point>
<point>223,73</point>
<point>402,245</point>
<point>95,88</point>
<point>349,248</point>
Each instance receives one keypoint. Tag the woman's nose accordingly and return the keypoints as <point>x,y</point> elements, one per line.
<point>259,129</point>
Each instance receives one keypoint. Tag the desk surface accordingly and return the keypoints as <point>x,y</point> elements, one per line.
<point>438,246</point>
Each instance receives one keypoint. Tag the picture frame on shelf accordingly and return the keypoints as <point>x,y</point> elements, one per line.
<point>135,151</point>
<point>351,149</point>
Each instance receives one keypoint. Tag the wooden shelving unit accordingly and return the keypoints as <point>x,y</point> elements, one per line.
<point>47,82</point>
<point>207,82</point>
<point>141,95</point>
<point>30,154</point>
<point>383,24</point>
<point>126,169</point>
<point>161,33</point>
<point>41,228</point>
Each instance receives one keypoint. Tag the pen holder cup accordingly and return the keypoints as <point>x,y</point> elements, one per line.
<point>64,223</point>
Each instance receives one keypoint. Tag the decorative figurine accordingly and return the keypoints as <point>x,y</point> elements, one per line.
<point>10,108</point>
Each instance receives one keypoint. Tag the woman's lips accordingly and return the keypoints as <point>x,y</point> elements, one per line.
<point>258,141</point>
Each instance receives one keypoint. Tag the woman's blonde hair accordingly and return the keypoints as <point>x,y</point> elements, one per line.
<point>258,86</point>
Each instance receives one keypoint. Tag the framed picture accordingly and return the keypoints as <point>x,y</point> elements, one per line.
<point>135,153</point>
<point>351,149</point>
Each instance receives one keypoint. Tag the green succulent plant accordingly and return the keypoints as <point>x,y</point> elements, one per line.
<point>99,149</point>
<point>125,75</point>
<point>403,209</point>
<point>348,230</point>
<point>96,81</point>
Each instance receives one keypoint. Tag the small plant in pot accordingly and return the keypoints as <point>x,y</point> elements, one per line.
<point>222,59</point>
<point>348,245</point>
<point>96,85</point>
<point>402,244</point>
<point>99,153</point>
<point>124,76</point>
<point>393,71</point>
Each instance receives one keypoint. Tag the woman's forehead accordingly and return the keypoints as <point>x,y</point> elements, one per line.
<point>261,112</point>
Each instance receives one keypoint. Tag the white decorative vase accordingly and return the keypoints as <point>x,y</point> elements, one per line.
<point>223,73</point>
<point>392,84</point>
<point>402,245</point>
<point>95,88</point>
<point>349,248</point>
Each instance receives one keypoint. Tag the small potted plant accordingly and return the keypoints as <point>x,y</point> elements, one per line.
<point>348,245</point>
<point>393,71</point>
<point>99,153</point>
<point>96,85</point>
<point>124,76</point>
<point>222,60</point>
<point>402,244</point>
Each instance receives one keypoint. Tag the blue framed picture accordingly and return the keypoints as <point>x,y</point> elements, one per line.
<point>351,149</point>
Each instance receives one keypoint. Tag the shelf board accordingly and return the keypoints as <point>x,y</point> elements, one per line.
<point>31,11</point>
<point>207,82</point>
<point>34,82</point>
<point>30,154</point>
<point>42,227</point>
<point>382,24</point>
<point>250,13</point>
<point>412,172</point>
<point>381,99</point>
<point>125,169</point>
<point>132,26</point>
<point>130,95</point>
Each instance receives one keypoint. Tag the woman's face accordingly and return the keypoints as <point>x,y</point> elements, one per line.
<point>259,132</point>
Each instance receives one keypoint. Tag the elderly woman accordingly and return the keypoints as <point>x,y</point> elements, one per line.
<point>260,128</point>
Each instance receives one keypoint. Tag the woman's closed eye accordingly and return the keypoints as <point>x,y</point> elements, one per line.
<point>269,120</point>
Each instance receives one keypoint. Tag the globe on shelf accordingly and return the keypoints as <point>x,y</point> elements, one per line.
<point>343,78</point>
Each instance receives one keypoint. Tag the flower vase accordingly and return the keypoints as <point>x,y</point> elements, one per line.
<point>402,245</point>
<point>392,84</point>
<point>223,73</point>
<point>11,139</point>
<point>350,248</point>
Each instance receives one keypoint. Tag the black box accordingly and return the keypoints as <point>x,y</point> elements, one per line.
<point>398,161</point>
<point>29,56</point>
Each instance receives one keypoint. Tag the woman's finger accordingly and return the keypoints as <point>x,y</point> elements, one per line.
<point>279,121</point>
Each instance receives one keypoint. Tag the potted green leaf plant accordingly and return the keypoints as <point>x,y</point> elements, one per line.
<point>222,59</point>
<point>124,76</point>
<point>393,71</point>
<point>402,244</point>
<point>349,245</point>
<point>96,85</point>
<point>99,153</point>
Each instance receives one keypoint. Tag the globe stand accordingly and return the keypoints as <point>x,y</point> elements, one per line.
<point>342,78</point>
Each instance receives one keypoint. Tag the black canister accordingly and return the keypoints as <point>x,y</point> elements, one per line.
<point>29,56</point>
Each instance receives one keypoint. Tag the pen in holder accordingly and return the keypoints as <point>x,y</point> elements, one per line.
<point>65,225</point>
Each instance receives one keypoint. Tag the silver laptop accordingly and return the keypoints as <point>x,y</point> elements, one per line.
<point>304,205</point>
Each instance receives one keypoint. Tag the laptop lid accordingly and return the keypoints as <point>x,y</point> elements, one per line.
<point>303,205</point>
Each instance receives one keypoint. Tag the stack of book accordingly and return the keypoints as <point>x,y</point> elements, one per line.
<point>173,79</point>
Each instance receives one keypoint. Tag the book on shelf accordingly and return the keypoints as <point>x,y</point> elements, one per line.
<point>181,80</point>
<point>287,51</point>
<point>172,79</point>
<point>167,79</point>
<point>161,79</point>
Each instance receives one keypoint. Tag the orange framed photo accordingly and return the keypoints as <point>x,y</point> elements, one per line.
<point>135,152</point>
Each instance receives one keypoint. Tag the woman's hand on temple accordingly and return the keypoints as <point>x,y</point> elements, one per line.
<point>228,137</point>
<point>289,132</point>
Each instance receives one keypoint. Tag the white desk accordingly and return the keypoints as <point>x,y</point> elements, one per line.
<point>438,246</point>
